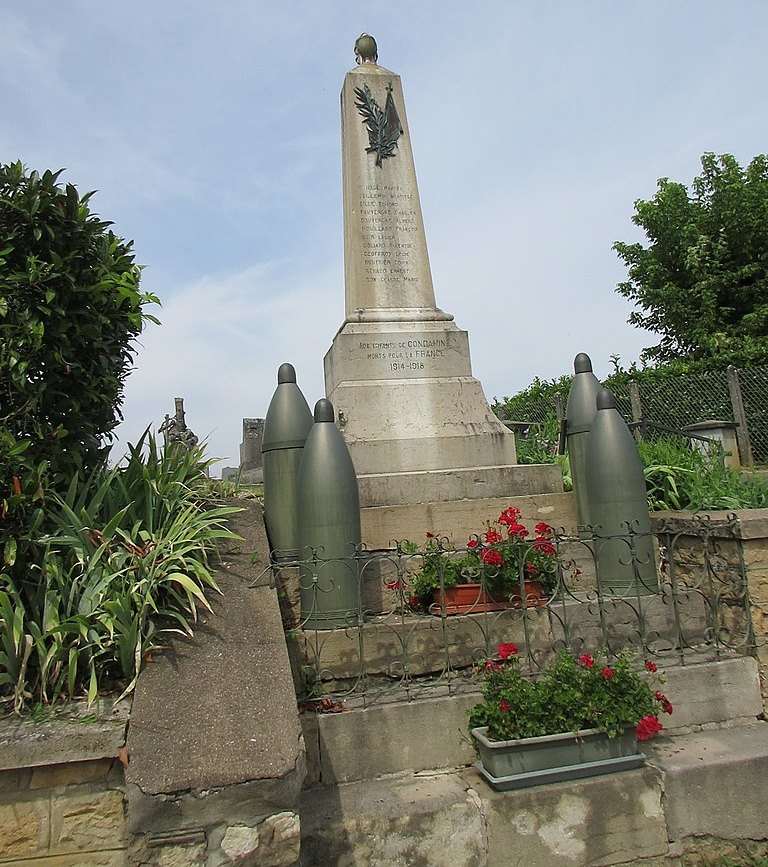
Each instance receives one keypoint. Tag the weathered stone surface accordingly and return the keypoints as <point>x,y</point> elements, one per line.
<point>243,724</point>
<point>599,821</point>
<point>104,771</point>
<point>394,823</point>
<point>178,856</point>
<point>240,843</point>
<point>80,734</point>
<point>24,828</point>
<point>385,646</point>
<point>456,519</point>
<point>715,782</point>
<point>388,739</point>
<point>87,821</point>
<point>475,483</point>
<point>713,692</point>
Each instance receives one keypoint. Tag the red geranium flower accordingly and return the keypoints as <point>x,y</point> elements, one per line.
<point>531,569</point>
<point>543,545</point>
<point>492,665</point>
<point>666,704</point>
<point>491,557</point>
<point>506,650</point>
<point>648,727</point>
<point>413,601</point>
<point>543,529</point>
<point>509,516</point>
<point>650,666</point>
<point>394,584</point>
<point>504,705</point>
<point>607,673</point>
<point>473,543</point>
<point>492,536</point>
<point>517,530</point>
<point>587,660</point>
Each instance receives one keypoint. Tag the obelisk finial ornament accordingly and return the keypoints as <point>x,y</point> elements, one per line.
<point>365,49</point>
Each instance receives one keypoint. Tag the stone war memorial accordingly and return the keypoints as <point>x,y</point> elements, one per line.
<point>417,423</point>
<point>328,707</point>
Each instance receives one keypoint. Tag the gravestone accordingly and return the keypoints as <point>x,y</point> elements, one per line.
<point>399,371</point>
<point>251,470</point>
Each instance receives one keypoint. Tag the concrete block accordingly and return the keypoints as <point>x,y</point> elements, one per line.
<point>603,820</point>
<point>393,823</point>
<point>715,782</point>
<point>388,739</point>
<point>712,692</point>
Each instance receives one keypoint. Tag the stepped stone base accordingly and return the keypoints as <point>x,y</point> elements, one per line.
<point>703,786</point>
<point>464,483</point>
<point>457,519</point>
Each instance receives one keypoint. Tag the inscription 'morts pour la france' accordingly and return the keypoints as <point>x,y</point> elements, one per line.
<point>384,127</point>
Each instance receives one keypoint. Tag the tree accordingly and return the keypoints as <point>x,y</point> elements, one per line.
<point>702,281</point>
<point>70,308</point>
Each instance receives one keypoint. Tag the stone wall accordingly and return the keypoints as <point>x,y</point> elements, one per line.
<point>63,815</point>
<point>62,788</point>
<point>733,557</point>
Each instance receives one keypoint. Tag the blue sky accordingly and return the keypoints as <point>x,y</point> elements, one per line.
<point>211,132</point>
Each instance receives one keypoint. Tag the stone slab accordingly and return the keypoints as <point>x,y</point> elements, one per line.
<point>713,692</point>
<point>457,519</point>
<point>219,710</point>
<point>599,821</point>
<point>405,739</point>
<point>399,823</point>
<point>465,483</point>
<point>75,733</point>
<point>715,782</point>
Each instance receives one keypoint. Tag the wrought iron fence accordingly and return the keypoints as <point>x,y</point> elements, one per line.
<point>692,605</point>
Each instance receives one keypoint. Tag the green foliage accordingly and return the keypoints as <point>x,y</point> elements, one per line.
<point>678,477</point>
<point>702,281</point>
<point>568,696</point>
<point>499,558</point>
<point>70,308</point>
<point>124,565</point>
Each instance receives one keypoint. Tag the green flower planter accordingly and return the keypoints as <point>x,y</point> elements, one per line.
<point>554,758</point>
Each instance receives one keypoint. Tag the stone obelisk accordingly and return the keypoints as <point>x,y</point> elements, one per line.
<point>399,371</point>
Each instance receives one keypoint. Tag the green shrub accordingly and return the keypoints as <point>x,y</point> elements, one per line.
<point>124,566</point>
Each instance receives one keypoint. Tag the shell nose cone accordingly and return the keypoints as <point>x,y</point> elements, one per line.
<point>286,373</point>
<point>324,410</point>
<point>582,363</point>
<point>605,399</point>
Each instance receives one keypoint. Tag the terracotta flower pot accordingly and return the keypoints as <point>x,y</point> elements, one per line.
<point>473,599</point>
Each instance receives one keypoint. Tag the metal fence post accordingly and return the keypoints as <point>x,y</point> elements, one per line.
<point>559,406</point>
<point>637,409</point>
<point>739,416</point>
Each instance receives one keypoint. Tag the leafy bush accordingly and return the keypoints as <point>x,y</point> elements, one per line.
<point>70,309</point>
<point>678,477</point>
<point>124,566</point>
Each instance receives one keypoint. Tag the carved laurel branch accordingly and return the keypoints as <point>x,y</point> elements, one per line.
<point>384,127</point>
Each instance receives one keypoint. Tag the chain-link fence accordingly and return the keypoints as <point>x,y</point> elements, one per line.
<point>671,403</point>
